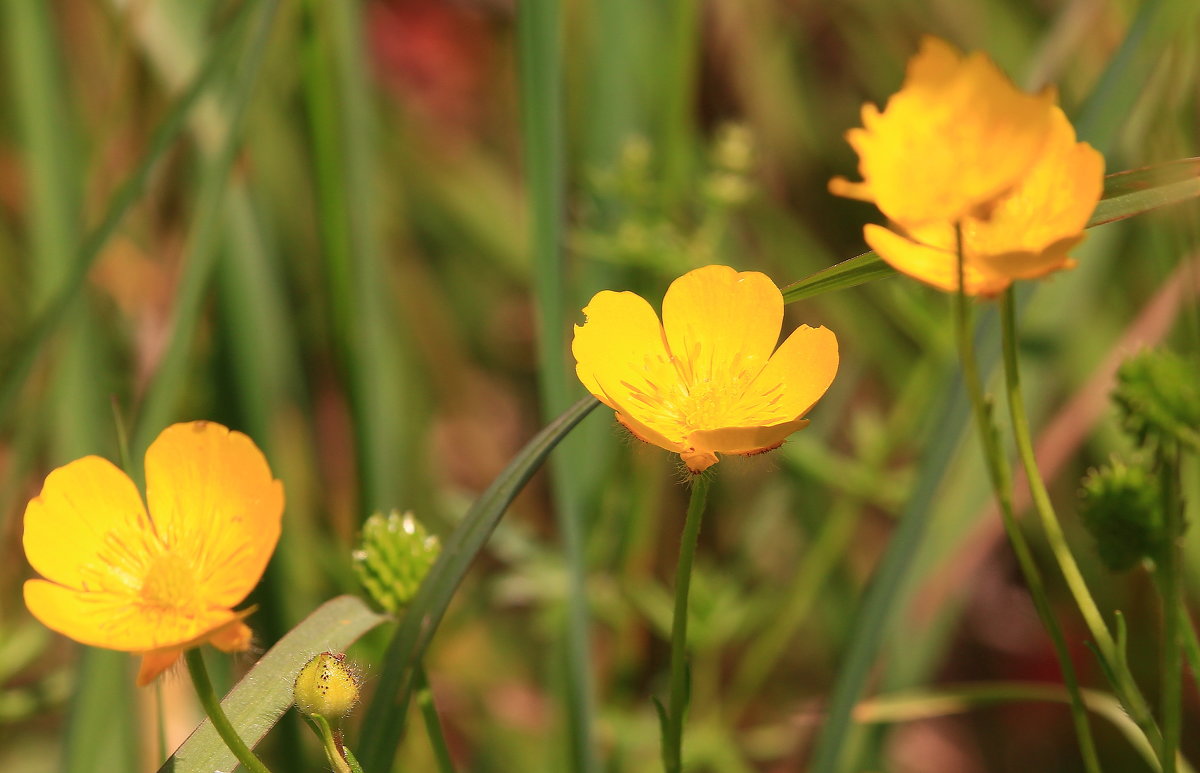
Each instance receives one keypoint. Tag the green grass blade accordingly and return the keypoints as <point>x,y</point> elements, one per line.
<point>539,49</point>
<point>880,603</point>
<point>849,273</point>
<point>384,720</point>
<point>1141,190</point>
<point>914,705</point>
<point>342,121</point>
<point>158,407</point>
<point>1156,27</point>
<point>1126,194</point>
<point>19,362</point>
<point>257,702</point>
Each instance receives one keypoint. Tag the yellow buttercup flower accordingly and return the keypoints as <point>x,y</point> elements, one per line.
<point>708,380</point>
<point>956,137</point>
<point>158,580</point>
<point>1027,235</point>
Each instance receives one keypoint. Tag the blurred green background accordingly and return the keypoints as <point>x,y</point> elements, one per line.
<point>360,232</point>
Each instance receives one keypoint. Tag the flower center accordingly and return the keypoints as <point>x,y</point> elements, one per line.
<point>169,582</point>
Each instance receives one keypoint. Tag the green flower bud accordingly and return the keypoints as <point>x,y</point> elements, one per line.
<point>326,687</point>
<point>1120,507</point>
<point>395,556</point>
<point>1159,394</point>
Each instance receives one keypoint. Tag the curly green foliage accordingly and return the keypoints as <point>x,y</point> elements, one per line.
<point>1158,393</point>
<point>395,556</point>
<point>1120,507</point>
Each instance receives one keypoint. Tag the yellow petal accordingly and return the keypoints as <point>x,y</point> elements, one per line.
<point>720,323</point>
<point>154,663</point>
<point>647,434</point>
<point>1030,230</point>
<point>88,528</point>
<point>212,499</point>
<point>234,637</point>
<point>805,364</point>
<point>621,333</point>
<point>933,154</point>
<point>622,359</point>
<point>934,266</point>
<point>744,440</point>
<point>116,621</point>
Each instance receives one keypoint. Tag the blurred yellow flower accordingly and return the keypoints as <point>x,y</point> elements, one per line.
<point>159,582</point>
<point>955,138</point>
<point>1029,231</point>
<point>705,380</point>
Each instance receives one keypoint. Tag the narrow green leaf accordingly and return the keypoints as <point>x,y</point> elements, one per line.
<point>257,702</point>
<point>539,59</point>
<point>384,720</point>
<point>1126,194</point>
<point>912,705</point>
<point>1136,191</point>
<point>840,276</point>
<point>204,237</point>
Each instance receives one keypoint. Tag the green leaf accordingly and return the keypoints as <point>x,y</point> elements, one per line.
<point>1125,194</point>
<point>384,720</point>
<point>849,273</point>
<point>1136,191</point>
<point>257,702</point>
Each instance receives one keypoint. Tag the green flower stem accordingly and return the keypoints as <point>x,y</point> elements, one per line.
<point>433,724</point>
<point>334,751</point>
<point>1123,681</point>
<point>1172,599</point>
<point>672,752</point>
<point>1000,475</point>
<point>212,707</point>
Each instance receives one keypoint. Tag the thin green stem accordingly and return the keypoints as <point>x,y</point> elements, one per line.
<point>433,723</point>
<point>1124,684</point>
<point>1001,478</point>
<point>334,751</point>
<point>212,707</point>
<point>677,701</point>
<point>1172,599</point>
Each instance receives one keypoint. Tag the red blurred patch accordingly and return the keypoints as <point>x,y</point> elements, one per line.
<point>433,56</point>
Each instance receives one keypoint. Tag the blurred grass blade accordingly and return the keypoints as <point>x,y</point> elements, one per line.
<point>337,90</point>
<point>204,236</point>
<point>257,702</point>
<point>849,273</point>
<point>1159,24</point>
<point>539,49</point>
<point>1126,194</point>
<point>1140,190</point>
<point>888,585</point>
<point>913,705</point>
<point>384,720</point>
<point>19,362</point>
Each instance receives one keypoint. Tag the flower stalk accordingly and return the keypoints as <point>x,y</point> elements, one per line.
<point>1171,591</point>
<point>212,707</point>
<point>1111,654</point>
<point>1001,478</point>
<point>677,700</point>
